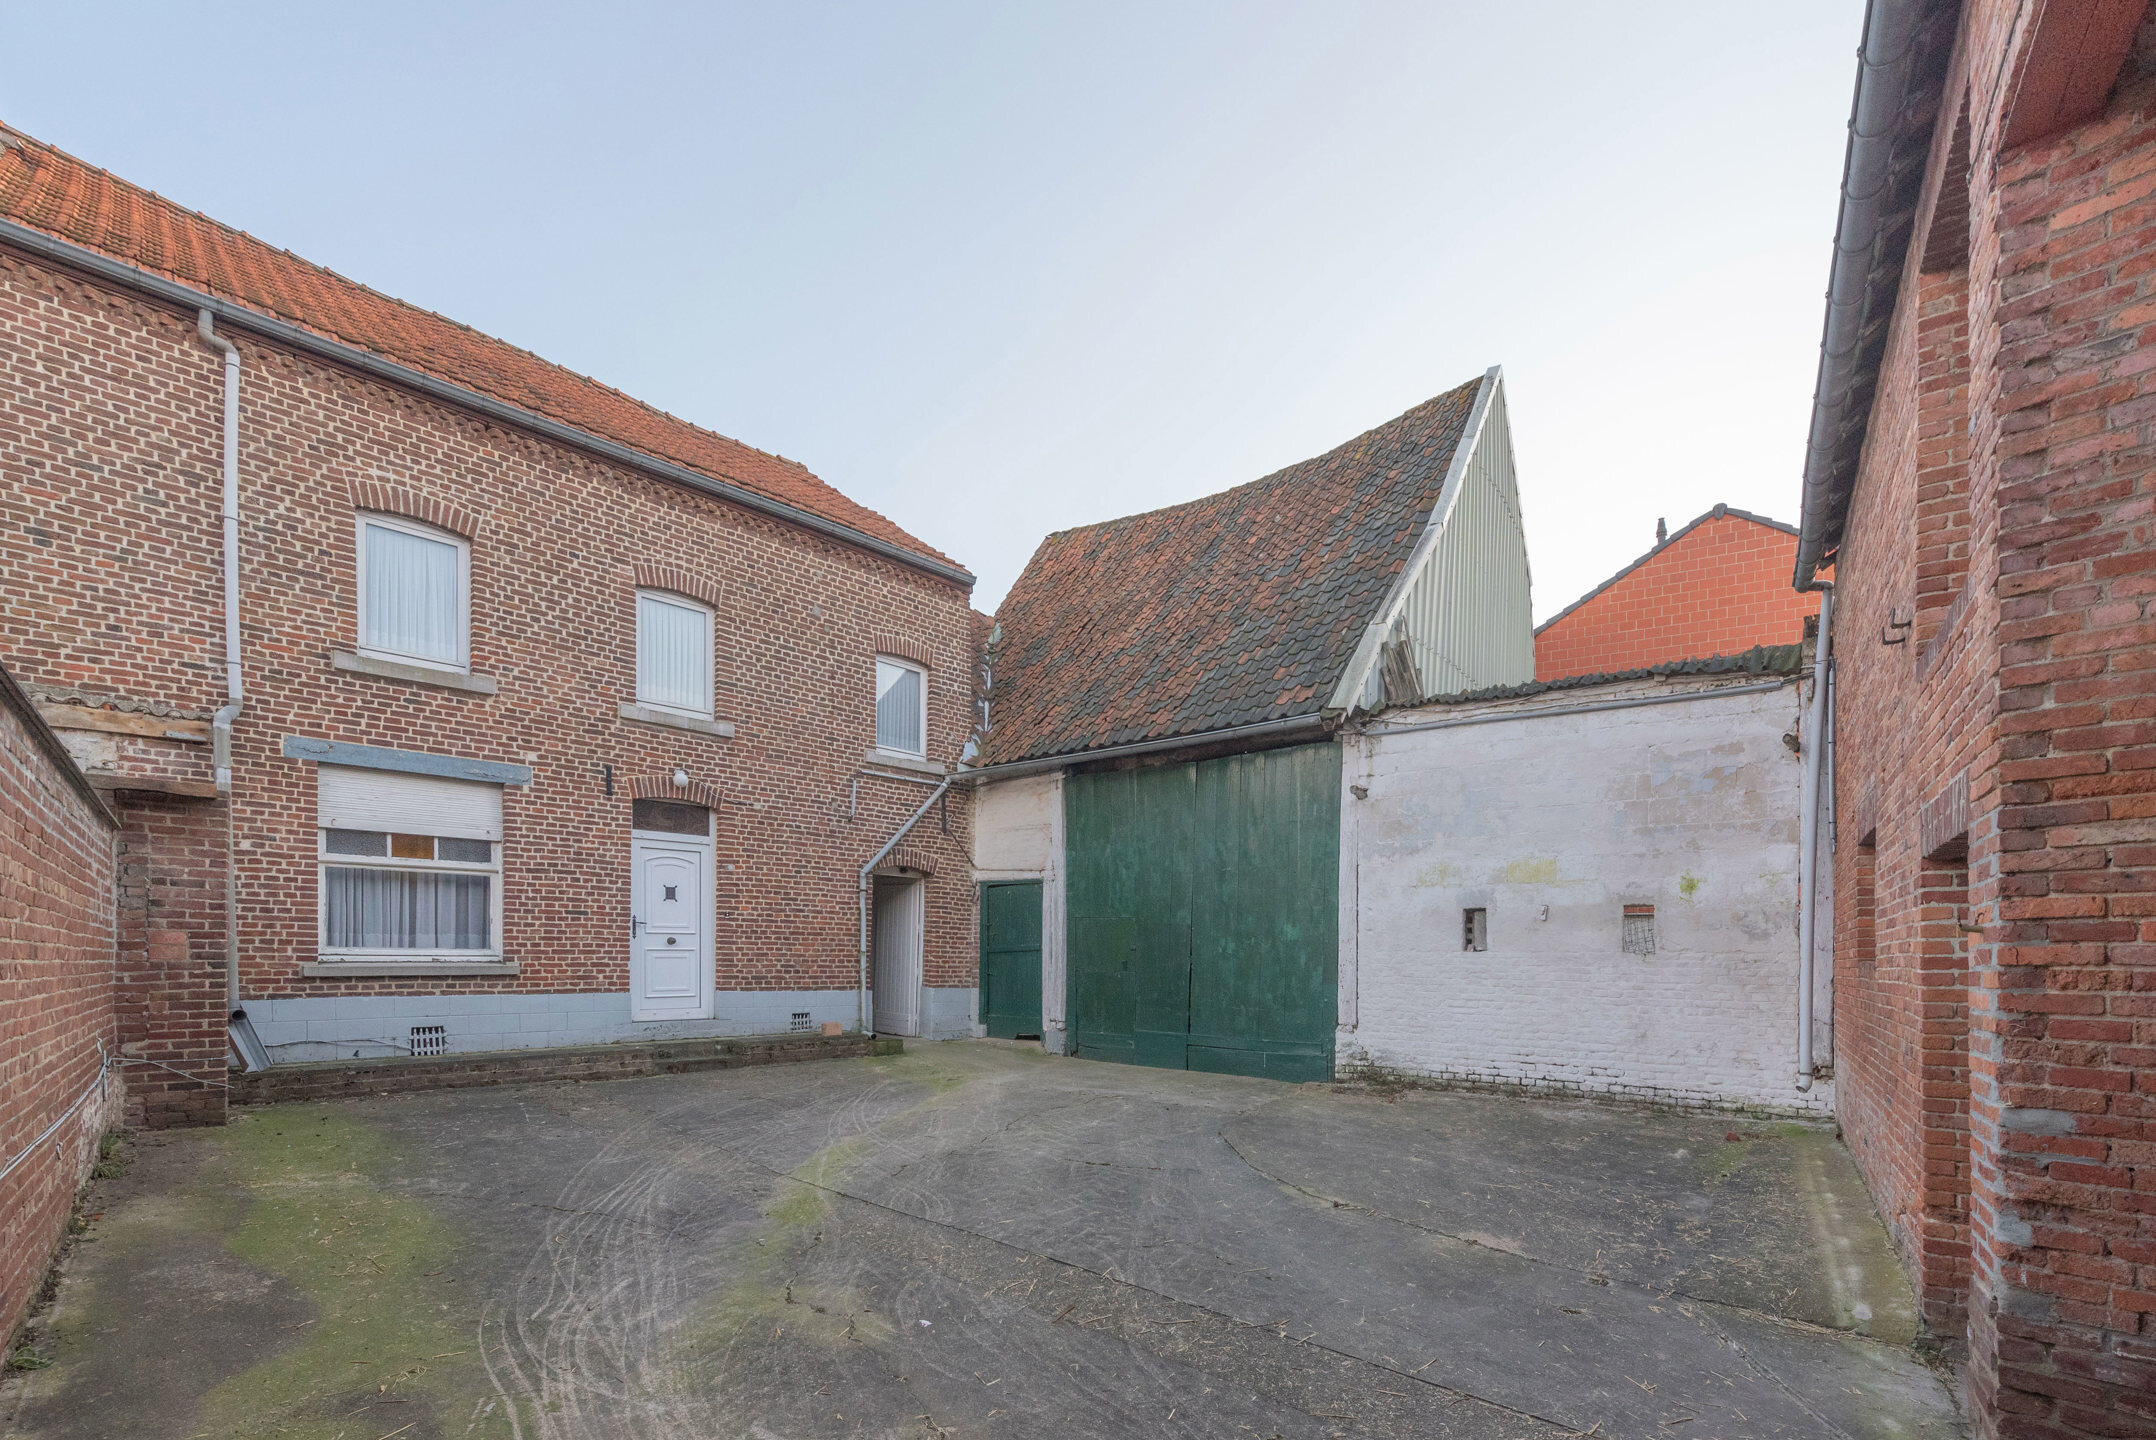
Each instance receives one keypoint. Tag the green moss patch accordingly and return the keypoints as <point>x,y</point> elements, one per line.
<point>390,1340</point>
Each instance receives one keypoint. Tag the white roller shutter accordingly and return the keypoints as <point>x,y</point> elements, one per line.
<point>357,799</point>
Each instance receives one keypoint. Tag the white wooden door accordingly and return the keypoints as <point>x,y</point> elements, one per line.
<point>896,941</point>
<point>670,954</point>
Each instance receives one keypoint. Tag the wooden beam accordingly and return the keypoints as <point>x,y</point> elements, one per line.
<point>2068,65</point>
<point>126,722</point>
<point>154,784</point>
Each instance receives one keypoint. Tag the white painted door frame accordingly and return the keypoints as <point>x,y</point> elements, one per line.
<point>900,907</point>
<point>671,908</point>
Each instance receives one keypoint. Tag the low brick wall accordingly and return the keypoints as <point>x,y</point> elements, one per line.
<point>346,1078</point>
<point>56,994</point>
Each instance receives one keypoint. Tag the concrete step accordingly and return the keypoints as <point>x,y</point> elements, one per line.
<point>329,1079</point>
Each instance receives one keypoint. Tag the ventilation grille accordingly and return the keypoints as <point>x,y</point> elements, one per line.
<point>430,1040</point>
<point>801,1020</point>
<point>1639,929</point>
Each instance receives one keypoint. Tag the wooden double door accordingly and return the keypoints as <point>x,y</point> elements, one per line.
<point>1203,905</point>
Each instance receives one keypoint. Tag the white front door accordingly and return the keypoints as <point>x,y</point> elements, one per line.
<point>896,944</point>
<point>670,958</point>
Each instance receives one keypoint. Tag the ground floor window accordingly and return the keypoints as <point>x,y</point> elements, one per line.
<point>410,866</point>
<point>447,906</point>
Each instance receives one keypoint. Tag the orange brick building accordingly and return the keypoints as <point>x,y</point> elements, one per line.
<point>1718,586</point>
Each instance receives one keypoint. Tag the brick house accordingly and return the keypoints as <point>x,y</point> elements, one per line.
<point>1717,586</point>
<point>1979,474</point>
<point>547,718</point>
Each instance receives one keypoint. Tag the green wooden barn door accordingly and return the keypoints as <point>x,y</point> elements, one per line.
<point>1265,921</point>
<point>1127,847</point>
<point>1203,913</point>
<point>1011,958</point>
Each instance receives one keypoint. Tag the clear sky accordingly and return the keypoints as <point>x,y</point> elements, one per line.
<point>999,270</point>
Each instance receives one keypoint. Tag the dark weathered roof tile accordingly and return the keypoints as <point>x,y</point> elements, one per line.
<point>1236,609</point>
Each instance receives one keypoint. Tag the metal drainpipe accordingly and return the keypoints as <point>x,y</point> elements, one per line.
<point>861,994</point>
<point>221,721</point>
<point>1815,729</point>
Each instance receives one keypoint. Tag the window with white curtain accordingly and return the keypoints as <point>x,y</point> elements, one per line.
<point>414,589</point>
<point>673,654</point>
<point>410,866</point>
<point>901,707</point>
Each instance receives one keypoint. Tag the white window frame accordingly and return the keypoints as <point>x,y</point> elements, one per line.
<point>326,860</point>
<point>462,665</point>
<point>917,668</point>
<point>711,624</point>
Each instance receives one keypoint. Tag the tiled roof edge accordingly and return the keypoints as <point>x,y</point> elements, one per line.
<point>1056,759</point>
<point>1759,660</point>
<point>15,698</point>
<point>246,317</point>
<point>1715,514</point>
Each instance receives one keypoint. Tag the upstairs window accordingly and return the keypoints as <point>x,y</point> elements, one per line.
<point>901,708</point>
<point>673,654</point>
<point>414,591</point>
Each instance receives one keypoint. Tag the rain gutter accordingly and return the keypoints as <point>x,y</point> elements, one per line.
<point>1882,176</point>
<point>1263,729</point>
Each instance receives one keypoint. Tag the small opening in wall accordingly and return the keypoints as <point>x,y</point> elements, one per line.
<point>1639,929</point>
<point>430,1040</point>
<point>1475,929</point>
<point>801,1020</point>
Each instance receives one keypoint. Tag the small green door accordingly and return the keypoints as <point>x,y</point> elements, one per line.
<point>1011,958</point>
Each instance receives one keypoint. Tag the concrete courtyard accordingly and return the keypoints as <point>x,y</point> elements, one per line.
<point>978,1240</point>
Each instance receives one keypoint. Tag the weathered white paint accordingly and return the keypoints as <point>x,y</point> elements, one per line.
<point>1018,835</point>
<point>1691,807</point>
<point>1462,602</point>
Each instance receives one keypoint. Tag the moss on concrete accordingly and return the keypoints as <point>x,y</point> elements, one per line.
<point>377,1268</point>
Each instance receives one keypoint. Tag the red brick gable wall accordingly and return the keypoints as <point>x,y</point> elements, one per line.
<point>1717,588</point>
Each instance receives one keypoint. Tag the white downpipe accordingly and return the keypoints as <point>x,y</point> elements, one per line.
<point>861,994</point>
<point>221,721</point>
<point>1815,730</point>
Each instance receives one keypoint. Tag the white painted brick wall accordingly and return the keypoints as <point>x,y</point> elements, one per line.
<point>1018,835</point>
<point>1690,807</point>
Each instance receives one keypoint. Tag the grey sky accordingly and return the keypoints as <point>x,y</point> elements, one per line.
<point>996,271</point>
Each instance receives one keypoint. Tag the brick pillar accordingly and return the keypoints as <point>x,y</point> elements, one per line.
<point>2063,1024</point>
<point>171,970</point>
<point>1942,972</point>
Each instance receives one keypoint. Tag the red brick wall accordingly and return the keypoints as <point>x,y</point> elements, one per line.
<point>1996,1066</point>
<point>172,995</point>
<point>1717,588</point>
<point>56,1002</point>
<point>1910,717</point>
<point>109,583</point>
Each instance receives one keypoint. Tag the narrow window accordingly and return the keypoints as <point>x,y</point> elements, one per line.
<point>1639,929</point>
<point>673,654</point>
<point>414,591</point>
<point>901,708</point>
<point>410,866</point>
<point>1476,928</point>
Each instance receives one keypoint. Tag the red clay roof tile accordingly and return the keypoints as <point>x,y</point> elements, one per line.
<point>49,190</point>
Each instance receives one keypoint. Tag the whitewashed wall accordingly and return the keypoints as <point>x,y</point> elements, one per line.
<point>1691,807</point>
<point>1018,835</point>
